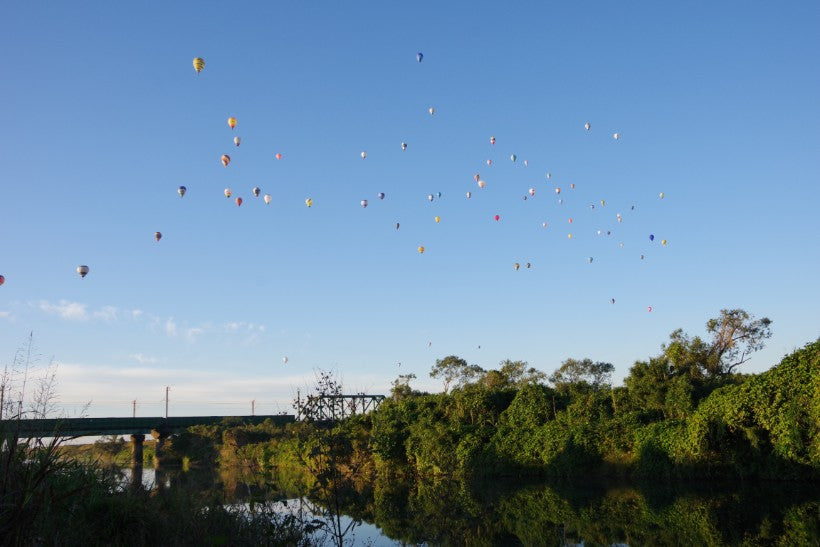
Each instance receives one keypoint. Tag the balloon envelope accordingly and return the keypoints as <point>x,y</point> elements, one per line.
<point>364,203</point>
<point>497,217</point>
<point>238,202</point>
<point>587,126</point>
<point>268,197</point>
<point>227,192</point>
<point>181,191</point>
<point>232,122</point>
<point>226,159</point>
<point>492,140</point>
<point>616,136</point>
<point>438,219</point>
<point>431,110</point>
<point>513,157</point>
<point>469,195</point>
<point>420,56</point>
<point>430,197</point>
<point>278,156</point>
<point>516,265</point>
<point>381,195</point>
<point>364,154</point>
<point>481,184</point>
<point>237,141</point>
<point>2,279</point>
<point>309,202</point>
<point>157,236</point>
<point>285,360</point>
<point>82,270</point>
<point>421,249</point>
<point>256,191</point>
<point>532,191</point>
<point>199,64</point>
<point>651,237</point>
<point>404,146</point>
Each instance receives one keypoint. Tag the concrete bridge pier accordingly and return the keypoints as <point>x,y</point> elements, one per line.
<point>161,436</point>
<point>136,450</point>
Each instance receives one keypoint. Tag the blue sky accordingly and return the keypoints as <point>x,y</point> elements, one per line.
<point>104,117</point>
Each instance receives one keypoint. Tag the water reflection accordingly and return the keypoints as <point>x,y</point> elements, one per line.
<point>393,511</point>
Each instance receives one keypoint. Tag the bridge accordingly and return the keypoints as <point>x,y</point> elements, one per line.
<point>159,428</point>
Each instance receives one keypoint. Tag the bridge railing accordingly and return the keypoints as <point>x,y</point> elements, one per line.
<point>337,407</point>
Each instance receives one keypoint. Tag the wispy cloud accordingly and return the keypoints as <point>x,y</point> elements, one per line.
<point>170,327</point>
<point>5,314</point>
<point>142,358</point>
<point>73,311</point>
<point>106,313</point>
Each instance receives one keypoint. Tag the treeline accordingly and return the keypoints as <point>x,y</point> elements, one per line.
<point>684,413</point>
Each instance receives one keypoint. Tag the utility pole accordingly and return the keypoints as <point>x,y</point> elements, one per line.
<point>167,388</point>
<point>134,408</point>
<point>253,409</point>
<point>2,397</point>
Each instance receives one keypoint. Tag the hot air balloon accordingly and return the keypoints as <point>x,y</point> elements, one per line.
<point>438,194</point>
<point>477,177</point>
<point>157,236</point>
<point>524,197</point>
<point>621,245</point>
<point>589,260</point>
<point>82,270</point>
<point>592,206</point>
<point>238,202</point>
<point>569,236</point>
<point>651,237</point>
<point>284,360</point>
<point>364,154</point>
<point>603,202</point>
<point>663,242</point>
<point>397,226</point>
<point>560,201</point>
<point>516,266</point>
<point>226,159</point>
<point>278,156</point>
<point>481,184</point>
<point>570,221</point>
<point>268,198</point>
<point>438,219</point>
<point>612,300</point>
<point>616,136</point>
<point>469,195</point>
<point>199,64</point>
<point>492,140</point>
<point>381,195</point>
<point>404,146</point>
<point>181,191</point>
<point>2,279</point>
<point>528,265</point>
<point>660,195</point>
<point>364,203</point>
<point>421,249</point>
<point>649,308</point>
<point>526,163</point>
<point>419,56</point>
<point>532,191</point>
<point>544,224</point>
<point>231,122</point>
<point>489,162</point>
<point>557,190</point>
<point>430,197</point>
<point>599,232</point>
<point>513,157</point>
<point>497,218</point>
<point>572,186</point>
<point>549,175</point>
<point>227,192</point>
<point>587,126</point>
<point>237,141</point>
<point>431,110</point>
<point>642,257</point>
<point>309,202</point>
<point>256,191</point>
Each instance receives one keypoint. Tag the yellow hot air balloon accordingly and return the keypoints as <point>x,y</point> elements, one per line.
<point>569,236</point>
<point>231,122</point>
<point>199,64</point>
<point>663,242</point>
<point>309,202</point>
<point>516,266</point>
<point>421,249</point>
<point>438,219</point>
<point>226,159</point>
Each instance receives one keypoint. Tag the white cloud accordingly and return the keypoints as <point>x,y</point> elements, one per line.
<point>193,332</point>
<point>142,358</point>
<point>106,313</point>
<point>170,327</point>
<point>5,314</point>
<point>136,314</point>
<point>67,310</point>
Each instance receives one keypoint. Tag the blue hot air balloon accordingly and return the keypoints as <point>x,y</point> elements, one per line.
<point>419,56</point>
<point>651,237</point>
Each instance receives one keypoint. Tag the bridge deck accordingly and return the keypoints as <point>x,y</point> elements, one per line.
<point>79,427</point>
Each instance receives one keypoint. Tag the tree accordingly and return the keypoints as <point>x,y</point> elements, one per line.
<point>454,369</point>
<point>401,386</point>
<point>574,372</point>
<point>735,336</point>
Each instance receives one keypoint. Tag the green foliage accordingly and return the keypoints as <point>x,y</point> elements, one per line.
<point>582,374</point>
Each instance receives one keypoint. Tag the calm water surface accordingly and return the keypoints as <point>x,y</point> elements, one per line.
<point>514,512</point>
